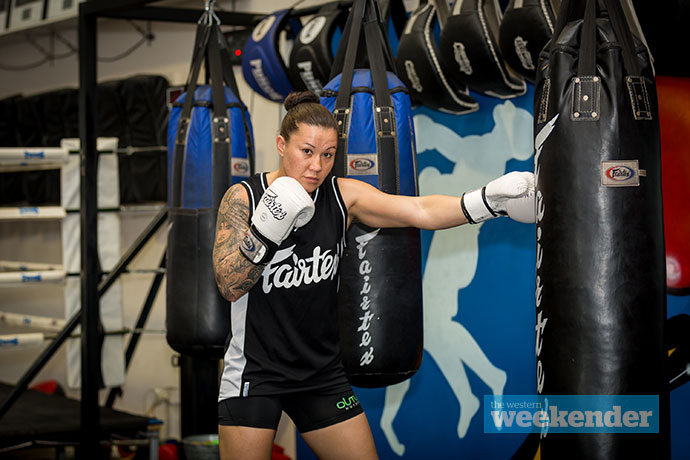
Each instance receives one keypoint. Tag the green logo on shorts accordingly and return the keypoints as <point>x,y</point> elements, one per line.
<point>348,403</point>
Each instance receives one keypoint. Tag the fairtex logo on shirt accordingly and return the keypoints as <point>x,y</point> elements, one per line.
<point>295,271</point>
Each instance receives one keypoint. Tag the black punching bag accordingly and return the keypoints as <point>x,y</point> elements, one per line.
<point>600,288</point>
<point>209,149</point>
<point>380,292</point>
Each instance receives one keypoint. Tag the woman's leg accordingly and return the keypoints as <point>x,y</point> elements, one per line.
<point>247,427</point>
<point>347,440</point>
<point>245,443</point>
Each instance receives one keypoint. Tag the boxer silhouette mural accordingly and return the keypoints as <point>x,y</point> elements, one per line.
<point>453,255</point>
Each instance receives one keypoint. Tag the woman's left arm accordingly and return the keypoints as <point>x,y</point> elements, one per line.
<point>509,195</point>
<point>372,207</point>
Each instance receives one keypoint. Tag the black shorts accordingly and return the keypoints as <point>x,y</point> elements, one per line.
<point>310,410</point>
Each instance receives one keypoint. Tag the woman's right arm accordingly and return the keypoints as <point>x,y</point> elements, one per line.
<point>235,274</point>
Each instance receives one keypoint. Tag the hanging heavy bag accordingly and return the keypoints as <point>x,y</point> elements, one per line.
<point>209,148</point>
<point>380,295</point>
<point>601,286</point>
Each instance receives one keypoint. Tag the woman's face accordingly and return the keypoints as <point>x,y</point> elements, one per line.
<point>308,155</point>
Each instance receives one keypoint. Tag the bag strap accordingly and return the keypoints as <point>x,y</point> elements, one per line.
<point>347,53</point>
<point>200,44</point>
<point>587,62</point>
<point>624,36</point>
<point>365,19</point>
<point>572,9</point>
<point>384,113</point>
<point>210,48</point>
<point>569,10</point>
<point>220,123</point>
<point>373,38</point>
<point>231,82</point>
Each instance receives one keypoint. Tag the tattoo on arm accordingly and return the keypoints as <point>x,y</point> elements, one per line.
<point>235,275</point>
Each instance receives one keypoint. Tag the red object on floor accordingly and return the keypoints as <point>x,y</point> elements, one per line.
<point>167,451</point>
<point>278,453</point>
<point>48,387</point>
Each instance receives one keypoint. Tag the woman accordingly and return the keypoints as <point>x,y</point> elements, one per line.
<point>279,238</point>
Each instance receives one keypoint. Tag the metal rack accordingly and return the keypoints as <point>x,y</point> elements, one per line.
<point>92,287</point>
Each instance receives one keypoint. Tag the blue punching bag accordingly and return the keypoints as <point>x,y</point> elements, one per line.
<point>380,295</point>
<point>209,149</point>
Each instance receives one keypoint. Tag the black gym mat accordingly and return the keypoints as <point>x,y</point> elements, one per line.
<point>37,416</point>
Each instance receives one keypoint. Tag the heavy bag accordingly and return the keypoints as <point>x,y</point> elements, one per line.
<point>263,66</point>
<point>209,148</point>
<point>312,54</point>
<point>144,101</point>
<point>601,284</point>
<point>527,26</point>
<point>380,295</point>
<point>470,52</point>
<point>421,71</point>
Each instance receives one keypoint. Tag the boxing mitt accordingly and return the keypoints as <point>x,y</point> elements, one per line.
<point>510,195</point>
<point>283,206</point>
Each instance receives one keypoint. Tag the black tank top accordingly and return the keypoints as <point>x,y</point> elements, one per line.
<point>285,334</point>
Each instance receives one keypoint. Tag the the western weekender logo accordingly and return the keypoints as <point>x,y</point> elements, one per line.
<point>571,413</point>
<point>287,272</point>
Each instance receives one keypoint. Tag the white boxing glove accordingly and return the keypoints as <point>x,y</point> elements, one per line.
<point>283,206</point>
<point>511,195</point>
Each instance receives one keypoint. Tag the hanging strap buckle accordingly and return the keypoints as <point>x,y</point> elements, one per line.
<point>342,118</point>
<point>385,118</point>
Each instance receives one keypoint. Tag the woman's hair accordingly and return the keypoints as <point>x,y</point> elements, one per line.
<point>304,107</point>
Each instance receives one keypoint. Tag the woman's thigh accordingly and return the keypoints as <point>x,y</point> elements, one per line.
<point>347,440</point>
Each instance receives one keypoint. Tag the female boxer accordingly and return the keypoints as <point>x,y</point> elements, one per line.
<point>279,239</point>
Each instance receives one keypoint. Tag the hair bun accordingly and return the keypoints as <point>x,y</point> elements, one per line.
<point>299,97</point>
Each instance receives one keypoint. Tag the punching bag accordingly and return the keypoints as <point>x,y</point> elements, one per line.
<point>470,53</point>
<point>526,27</point>
<point>601,284</point>
<point>263,66</point>
<point>421,71</point>
<point>209,148</point>
<point>312,54</point>
<point>380,294</point>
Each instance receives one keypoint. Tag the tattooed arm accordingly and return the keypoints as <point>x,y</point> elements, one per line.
<point>235,275</point>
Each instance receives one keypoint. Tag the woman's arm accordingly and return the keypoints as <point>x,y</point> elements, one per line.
<point>235,275</point>
<point>377,209</point>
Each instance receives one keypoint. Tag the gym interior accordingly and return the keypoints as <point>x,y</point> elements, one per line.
<point>594,301</point>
